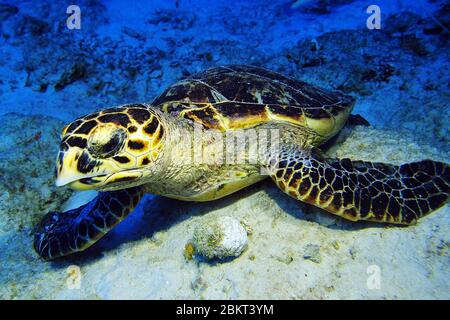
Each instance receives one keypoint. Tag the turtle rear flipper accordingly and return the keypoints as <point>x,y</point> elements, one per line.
<point>360,190</point>
<point>357,120</point>
<point>60,234</point>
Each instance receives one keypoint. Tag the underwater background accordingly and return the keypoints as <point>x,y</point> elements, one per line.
<point>130,51</point>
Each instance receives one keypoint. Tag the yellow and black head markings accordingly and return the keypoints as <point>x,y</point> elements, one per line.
<point>117,150</point>
<point>102,149</point>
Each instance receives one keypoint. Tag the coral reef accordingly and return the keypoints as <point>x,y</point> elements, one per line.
<point>318,7</point>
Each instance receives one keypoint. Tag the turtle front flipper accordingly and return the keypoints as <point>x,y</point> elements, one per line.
<point>61,234</point>
<point>360,190</point>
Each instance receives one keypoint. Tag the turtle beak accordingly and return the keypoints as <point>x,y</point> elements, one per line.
<point>63,180</point>
<point>65,172</point>
<point>68,173</point>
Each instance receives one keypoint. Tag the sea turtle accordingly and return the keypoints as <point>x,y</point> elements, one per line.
<point>140,148</point>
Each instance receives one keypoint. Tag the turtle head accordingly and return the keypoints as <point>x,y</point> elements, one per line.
<point>113,149</point>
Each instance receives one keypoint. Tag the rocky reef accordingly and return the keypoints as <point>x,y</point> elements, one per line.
<point>27,165</point>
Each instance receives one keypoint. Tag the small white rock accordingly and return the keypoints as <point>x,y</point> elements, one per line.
<point>220,238</point>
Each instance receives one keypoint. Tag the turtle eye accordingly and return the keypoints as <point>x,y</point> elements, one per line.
<point>106,141</point>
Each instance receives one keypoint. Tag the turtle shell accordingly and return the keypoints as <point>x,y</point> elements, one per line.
<point>236,97</point>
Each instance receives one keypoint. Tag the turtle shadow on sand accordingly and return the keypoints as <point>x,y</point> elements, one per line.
<point>156,214</point>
